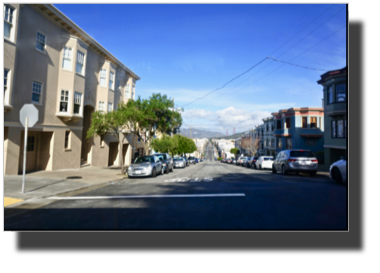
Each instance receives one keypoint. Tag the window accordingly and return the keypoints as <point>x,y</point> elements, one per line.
<point>304,122</point>
<point>313,122</point>
<point>287,123</point>
<point>30,144</point>
<point>103,73</point>
<point>267,127</point>
<point>340,92</point>
<point>118,85</point>
<point>133,92</point>
<point>333,128</point>
<point>63,105</point>
<point>101,106</point>
<point>288,143</point>
<point>111,80</point>
<point>8,18</point>
<point>340,127</point>
<point>279,143</point>
<point>126,95</point>
<point>311,141</point>
<point>77,102</point>
<point>67,140</point>
<point>41,41</point>
<point>272,142</point>
<point>6,71</point>
<point>278,124</point>
<point>66,64</point>
<point>330,95</point>
<point>80,63</point>
<point>36,92</point>
<point>110,107</point>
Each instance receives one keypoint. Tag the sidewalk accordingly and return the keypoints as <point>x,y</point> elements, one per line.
<point>47,183</point>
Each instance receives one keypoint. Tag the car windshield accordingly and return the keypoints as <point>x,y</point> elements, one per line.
<point>301,154</point>
<point>191,157</point>
<point>142,159</point>
<point>178,159</point>
<point>268,158</point>
<point>160,156</point>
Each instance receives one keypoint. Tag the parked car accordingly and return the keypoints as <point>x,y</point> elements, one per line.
<point>243,160</point>
<point>145,166</point>
<point>338,170</point>
<point>191,160</point>
<point>252,162</point>
<point>295,161</point>
<point>196,160</point>
<point>167,162</point>
<point>264,162</point>
<point>187,161</point>
<point>179,162</point>
<point>234,161</point>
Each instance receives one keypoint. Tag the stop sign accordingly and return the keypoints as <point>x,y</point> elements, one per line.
<point>30,111</point>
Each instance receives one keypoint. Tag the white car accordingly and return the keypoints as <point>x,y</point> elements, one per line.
<point>264,162</point>
<point>338,170</point>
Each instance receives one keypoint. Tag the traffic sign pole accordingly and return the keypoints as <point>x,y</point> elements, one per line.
<point>25,143</point>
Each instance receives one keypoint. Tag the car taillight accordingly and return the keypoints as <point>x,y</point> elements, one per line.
<point>314,160</point>
<point>292,160</point>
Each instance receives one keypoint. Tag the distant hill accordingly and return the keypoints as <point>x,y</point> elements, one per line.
<point>233,136</point>
<point>198,133</point>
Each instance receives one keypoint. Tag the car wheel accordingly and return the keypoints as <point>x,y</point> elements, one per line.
<point>154,172</point>
<point>336,175</point>
<point>162,171</point>
<point>313,173</point>
<point>172,168</point>
<point>167,170</point>
<point>255,167</point>
<point>283,171</point>
<point>260,167</point>
<point>273,169</point>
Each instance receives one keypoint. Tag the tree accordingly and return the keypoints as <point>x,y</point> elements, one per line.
<point>166,144</point>
<point>251,145</point>
<point>110,123</point>
<point>235,151</point>
<point>148,116</point>
<point>184,145</point>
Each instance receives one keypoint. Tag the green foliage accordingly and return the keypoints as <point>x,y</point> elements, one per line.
<point>219,158</point>
<point>184,145</point>
<point>235,151</point>
<point>164,145</point>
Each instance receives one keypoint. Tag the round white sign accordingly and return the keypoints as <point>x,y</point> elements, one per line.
<point>30,111</point>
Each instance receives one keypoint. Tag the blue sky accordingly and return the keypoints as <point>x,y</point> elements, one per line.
<point>188,50</point>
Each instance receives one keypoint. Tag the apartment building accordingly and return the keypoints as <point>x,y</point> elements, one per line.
<point>335,104</point>
<point>299,128</point>
<point>52,63</point>
<point>268,137</point>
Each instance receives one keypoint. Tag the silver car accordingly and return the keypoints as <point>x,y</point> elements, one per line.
<point>179,162</point>
<point>149,165</point>
<point>338,170</point>
<point>295,161</point>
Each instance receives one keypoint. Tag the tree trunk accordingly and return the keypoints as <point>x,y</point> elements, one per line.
<point>121,159</point>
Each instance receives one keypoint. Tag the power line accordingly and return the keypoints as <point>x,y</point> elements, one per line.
<point>297,65</point>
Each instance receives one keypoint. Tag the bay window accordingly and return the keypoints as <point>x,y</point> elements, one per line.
<point>103,73</point>
<point>101,106</point>
<point>110,107</point>
<point>77,103</point>
<point>126,95</point>
<point>330,95</point>
<point>64,101</point>
<point>313,122</point>
<point>111,80</point>
<point>80,63</point>
<point>8,19</point>
<point>67,56</point>
<point>340,93</point>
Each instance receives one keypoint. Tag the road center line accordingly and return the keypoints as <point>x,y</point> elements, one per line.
<point>149,196</point>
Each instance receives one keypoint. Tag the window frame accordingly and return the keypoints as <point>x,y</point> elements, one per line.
<point>118,85</point>
<point>302,123</point>
<point>338,92</point>
<point>30,143</point>
<point>40,94</point>
<point>101,110</point>
<point>45,42</point>
<point>108,107</point>
<point>67,142</point>
<point>316,123</point>
<point>80,105</point>
<point>111,79</point>
<point>127,89</point>
<point>77,62</point>
<point>10,22</point>
<point>6,85</point>
<point>66,101</point>
<point>105,77</point>
<point>330,98</point>
<point>286,123</point>
<point>63,58</point>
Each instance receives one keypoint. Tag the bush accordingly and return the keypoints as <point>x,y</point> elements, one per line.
<point>219,158</point>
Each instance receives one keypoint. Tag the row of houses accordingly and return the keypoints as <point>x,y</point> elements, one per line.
<point>52,63</point>
<point>321,130</point>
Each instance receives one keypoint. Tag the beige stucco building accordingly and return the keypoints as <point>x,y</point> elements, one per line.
<point>52,63</point>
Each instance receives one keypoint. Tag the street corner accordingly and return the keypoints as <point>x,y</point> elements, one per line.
<point>10,201</point>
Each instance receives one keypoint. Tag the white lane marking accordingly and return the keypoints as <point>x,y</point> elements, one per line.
<point>149,196</point>
<point>186,179</point>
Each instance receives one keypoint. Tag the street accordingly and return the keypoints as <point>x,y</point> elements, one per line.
<point>205,196</point>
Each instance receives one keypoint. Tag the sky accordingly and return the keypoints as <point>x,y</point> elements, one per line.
<point>187,51</point>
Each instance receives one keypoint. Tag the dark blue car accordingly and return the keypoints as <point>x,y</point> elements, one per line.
<point>196,160</point>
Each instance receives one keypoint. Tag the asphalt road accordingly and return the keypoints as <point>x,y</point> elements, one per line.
<point>205,196</point>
